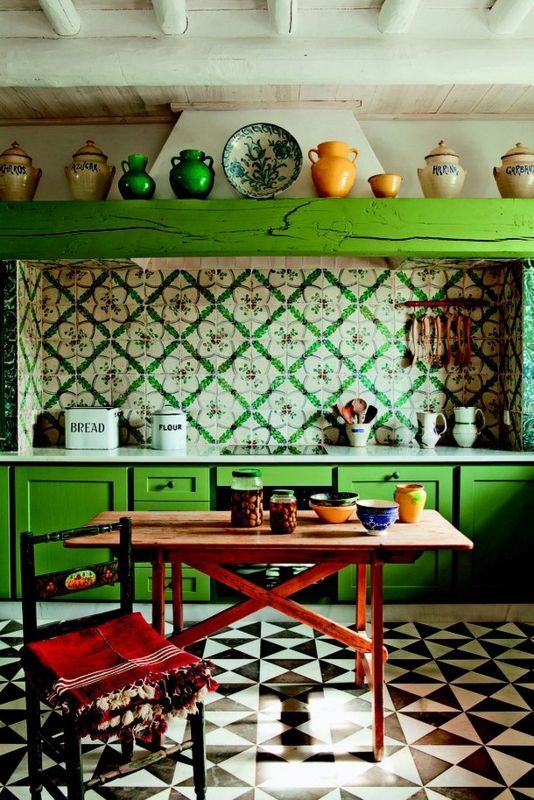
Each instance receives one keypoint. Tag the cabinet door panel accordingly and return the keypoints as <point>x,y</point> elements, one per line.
<point>496,513</point>
<point>53,498</point>
<point>5,572</point>
<point>284,475</point>
<point>430,576</point>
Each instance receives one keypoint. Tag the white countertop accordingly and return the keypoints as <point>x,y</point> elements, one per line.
<point>211,454</point>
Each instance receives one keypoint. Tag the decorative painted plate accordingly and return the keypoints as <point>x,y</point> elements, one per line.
<point>261,160</point>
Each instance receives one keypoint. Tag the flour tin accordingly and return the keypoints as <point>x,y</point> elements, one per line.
<point>169,429</point>
<point>91,428</point>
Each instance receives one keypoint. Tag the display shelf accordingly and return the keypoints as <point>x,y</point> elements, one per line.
<point>462,228</point>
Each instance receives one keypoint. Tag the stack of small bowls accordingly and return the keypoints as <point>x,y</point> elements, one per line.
<point>334,507</point>
<point>377,516</point>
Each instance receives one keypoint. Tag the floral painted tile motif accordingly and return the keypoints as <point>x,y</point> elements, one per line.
<point>256,350</point>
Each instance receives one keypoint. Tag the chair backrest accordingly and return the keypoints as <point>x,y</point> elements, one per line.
<point>43,587</point>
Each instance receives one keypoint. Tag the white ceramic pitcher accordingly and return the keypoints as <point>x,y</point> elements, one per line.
<point>428,434</point>
<point>465,430</point>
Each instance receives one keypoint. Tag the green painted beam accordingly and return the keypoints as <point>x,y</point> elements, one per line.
<point>349,227</point>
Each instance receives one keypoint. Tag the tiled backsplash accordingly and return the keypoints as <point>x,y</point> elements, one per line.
<point>254,350</point>
<point>528,355</point>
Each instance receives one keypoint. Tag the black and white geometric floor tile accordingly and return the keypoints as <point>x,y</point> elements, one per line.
<point>288,724</point>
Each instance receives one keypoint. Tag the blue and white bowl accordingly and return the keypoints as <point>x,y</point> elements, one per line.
<point>377,516</point>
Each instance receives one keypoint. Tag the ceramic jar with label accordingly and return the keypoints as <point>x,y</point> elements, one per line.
<point>333,171</point>
<point>442,175</point>
<point>89,175</point>
<point>18,177</point>
<point>411,498</point>
<point>515,177</point>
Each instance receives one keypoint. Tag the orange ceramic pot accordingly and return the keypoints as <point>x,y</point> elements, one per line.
<point>411,498</point>
<point>333,172</point>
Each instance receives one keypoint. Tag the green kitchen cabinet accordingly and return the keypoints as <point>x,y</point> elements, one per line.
<point>171,488</point>
<point>54,498</point>
<point>496,513</point>
<point>4,534</point>
<point>429,578</point>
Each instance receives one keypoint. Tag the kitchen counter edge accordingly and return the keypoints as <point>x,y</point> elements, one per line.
<point>211,454</point>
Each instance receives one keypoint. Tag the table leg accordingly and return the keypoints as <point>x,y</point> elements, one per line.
<point>177,605</point>
<point>158,595</point>
<point>377,654</point>
<point>361,617</point>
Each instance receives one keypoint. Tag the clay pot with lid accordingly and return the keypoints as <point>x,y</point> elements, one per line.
<point>515,177</point>
<point>18,178</point>
<point>442,175</point>
<point>89,175</point>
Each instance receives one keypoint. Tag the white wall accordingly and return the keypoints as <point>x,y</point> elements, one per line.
<point>400,147</point>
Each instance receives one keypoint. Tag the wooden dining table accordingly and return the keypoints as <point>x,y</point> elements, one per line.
<point>206,541</point>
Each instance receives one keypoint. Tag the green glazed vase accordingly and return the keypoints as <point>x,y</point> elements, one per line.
<point>190,177</point>
<point>136,183</point>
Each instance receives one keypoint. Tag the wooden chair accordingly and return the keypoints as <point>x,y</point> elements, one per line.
<point>107,675</point>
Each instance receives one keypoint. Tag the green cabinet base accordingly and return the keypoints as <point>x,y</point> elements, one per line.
<point>430,577</point>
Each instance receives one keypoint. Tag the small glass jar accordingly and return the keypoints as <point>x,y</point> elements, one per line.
<point>247,498</point>
<point>283,511</point>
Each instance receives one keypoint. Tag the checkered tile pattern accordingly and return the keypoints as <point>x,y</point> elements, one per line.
<point>287,722</point>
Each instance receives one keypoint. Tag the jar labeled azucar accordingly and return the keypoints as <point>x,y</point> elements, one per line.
<point>283,511</point>
<point>247,498</point>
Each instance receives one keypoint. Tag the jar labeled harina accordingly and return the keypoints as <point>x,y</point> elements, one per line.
<point>247,498</point>
<point>283,511</point>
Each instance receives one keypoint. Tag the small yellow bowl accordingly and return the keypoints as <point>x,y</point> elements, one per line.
<point>333,514</point>
<point>387,184</point>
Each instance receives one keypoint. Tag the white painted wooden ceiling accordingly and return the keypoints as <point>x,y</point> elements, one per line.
<point>134,59</point>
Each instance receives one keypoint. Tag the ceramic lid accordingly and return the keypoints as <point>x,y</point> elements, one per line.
<point>17,151</point>
<point>518,150</point>
<point>442,150</point>
<point>90,149</point>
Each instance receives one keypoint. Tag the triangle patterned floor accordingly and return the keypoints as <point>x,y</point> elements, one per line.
<point>287,722</point>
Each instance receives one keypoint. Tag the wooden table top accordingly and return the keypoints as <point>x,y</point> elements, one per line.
<point>204,534</point>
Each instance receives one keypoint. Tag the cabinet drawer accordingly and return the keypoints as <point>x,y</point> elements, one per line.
<point>287,475</point>
<point>183,505</point>
<point>195,585</point>
<point>165,484</point>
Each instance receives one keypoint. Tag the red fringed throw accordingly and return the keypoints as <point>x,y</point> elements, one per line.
<point>119,679</point>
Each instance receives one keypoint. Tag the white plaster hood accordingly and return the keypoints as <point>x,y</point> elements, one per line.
<point>210,130</point>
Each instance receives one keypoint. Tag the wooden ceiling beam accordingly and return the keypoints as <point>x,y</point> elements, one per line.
<point>283,15</point>
<point>62,16</point>
<point>171,16</point>
<point>506,16</point>
<point>396,16</point>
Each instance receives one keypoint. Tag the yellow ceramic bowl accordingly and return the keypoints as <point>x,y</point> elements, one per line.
<point>387,184</point>
<point>333,514</point>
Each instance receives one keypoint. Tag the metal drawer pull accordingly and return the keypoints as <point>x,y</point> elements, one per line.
<point>170,484</point>
<point>393,477</point>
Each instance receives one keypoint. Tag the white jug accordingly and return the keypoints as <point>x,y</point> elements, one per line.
<point>427,423</point>
<point>465,429</point>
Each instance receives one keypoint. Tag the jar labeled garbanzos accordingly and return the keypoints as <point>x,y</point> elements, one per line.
<point>247,498</point>
<point>283,511</point>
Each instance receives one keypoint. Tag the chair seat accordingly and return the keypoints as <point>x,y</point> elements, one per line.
<point>118,679</point>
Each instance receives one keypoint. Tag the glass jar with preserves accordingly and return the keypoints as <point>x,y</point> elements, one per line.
<point>247,498</point>
<point>283,511</point>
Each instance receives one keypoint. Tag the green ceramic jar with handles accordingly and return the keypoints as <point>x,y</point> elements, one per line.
<point>136,183</point>
<point>191,178</point>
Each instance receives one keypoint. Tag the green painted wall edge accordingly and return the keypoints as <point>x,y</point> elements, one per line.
<point>492,228</point>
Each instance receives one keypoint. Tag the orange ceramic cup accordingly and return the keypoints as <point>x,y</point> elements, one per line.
<point>387,184</point>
